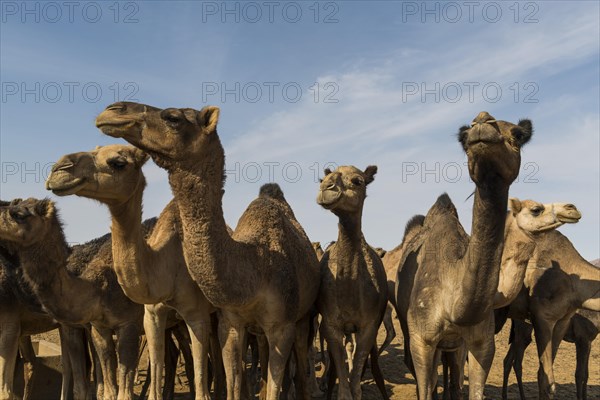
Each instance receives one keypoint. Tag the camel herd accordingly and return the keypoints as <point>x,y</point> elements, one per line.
<point>265,285</point>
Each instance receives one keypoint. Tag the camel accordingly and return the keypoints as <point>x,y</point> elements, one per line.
<point>558,281</point>
<point>21,316</point>
<point>353,293</point>
<point>456,277</point>
<point>150,272</point>
<point>33,227</point>
<point>265,276</point>
<point>582,330</point>
<point>391,260</point>
<point>525,223</point>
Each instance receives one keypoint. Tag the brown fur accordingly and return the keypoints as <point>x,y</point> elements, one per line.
<point>353,293</point>
<point>266,276</point>
<point>93,297</point>
<point>447,281</point>
<point>151,270</point>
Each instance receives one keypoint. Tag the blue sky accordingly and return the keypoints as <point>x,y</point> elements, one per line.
<point>347,82</point>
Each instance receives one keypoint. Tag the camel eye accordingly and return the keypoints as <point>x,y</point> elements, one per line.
<point>117,163</point>
<point>20,215</point>
<point>171,116</point>
<point>357,181</point>
<point>535,211</point>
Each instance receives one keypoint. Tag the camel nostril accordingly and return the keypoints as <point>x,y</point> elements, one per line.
<point>62,166</point>
<point>331,186</point>
<point>570,207</point>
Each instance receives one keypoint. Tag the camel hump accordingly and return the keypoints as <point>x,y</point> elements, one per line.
<point>442,206</point>
<point>271,190</point>
<point>413,224</point>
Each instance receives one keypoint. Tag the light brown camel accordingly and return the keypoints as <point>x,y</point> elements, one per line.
<point>557,283</point>
<point>583,330</point>
<point>456,277</point>
<point>353,293</point>
<point>265,277</point>
<point>94,296</point>
<point>151,272</point>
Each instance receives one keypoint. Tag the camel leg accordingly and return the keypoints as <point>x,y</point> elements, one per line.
<point>171,358</point>
<point>231,337</point>
<point>376,371</point>
<point>128,346</point>
<point>65,359</point>
<point>453,377</point>
<point>217,359</point>
<point>98,377</point>
<point>480,342</point>
<point>263,355</point>
<point>543,339</point>
<point>349,345</point>
<point>301,345</point>
<point>390,331</point>
<point>337,352</point>
<point>155,323</point>
<point>105,347</point>
<point>183,336</point>
<point>315,391</point>
<point>522,340</point>
<point>364,343</point>
<point>10,331</point>
<point>199,327</point>
<point>423,356</point>
<point>73,349</point>
<point>583,347</point>
<point>407,356</point>
<point>558,333</point>
<point>281,340</point>
<point>29,361</point>
<point>325,359</point>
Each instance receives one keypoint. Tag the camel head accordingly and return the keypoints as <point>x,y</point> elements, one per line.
<point>493,147</point>
<point>533,217</point>
<point>27,221</point>
<point>345,189</point>
<point>171,136</point>
<point>109,174</point>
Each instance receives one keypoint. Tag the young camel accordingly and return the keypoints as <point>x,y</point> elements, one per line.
<point>33,228</point>
<point>265,277</point>
<point>151,272</point>
<point>353,293</point>
<point>450,300</point>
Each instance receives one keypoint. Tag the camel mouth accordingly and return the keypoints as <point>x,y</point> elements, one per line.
<point>65,188</point>
<point>328,198</point>
<point>114,128</point>
<point>568,219</point>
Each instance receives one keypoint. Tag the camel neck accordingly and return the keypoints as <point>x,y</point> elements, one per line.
<point>481,263</point>
<point>350,231</point>
<point>207,245</point>
<point>44,267</point>
<point>130,249</point>
<point>518,249</point>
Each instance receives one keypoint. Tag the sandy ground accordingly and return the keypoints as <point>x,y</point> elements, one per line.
<point>401,386</point>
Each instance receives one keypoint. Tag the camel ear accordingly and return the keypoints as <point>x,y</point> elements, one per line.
<point>45,208</point>
<point>208,118</point>
<point>515,205</point>
<point>524,134</point>
<point>140,156</point>
<point>462,136</point>
<point>327,171</point>
<point>370,172</point>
